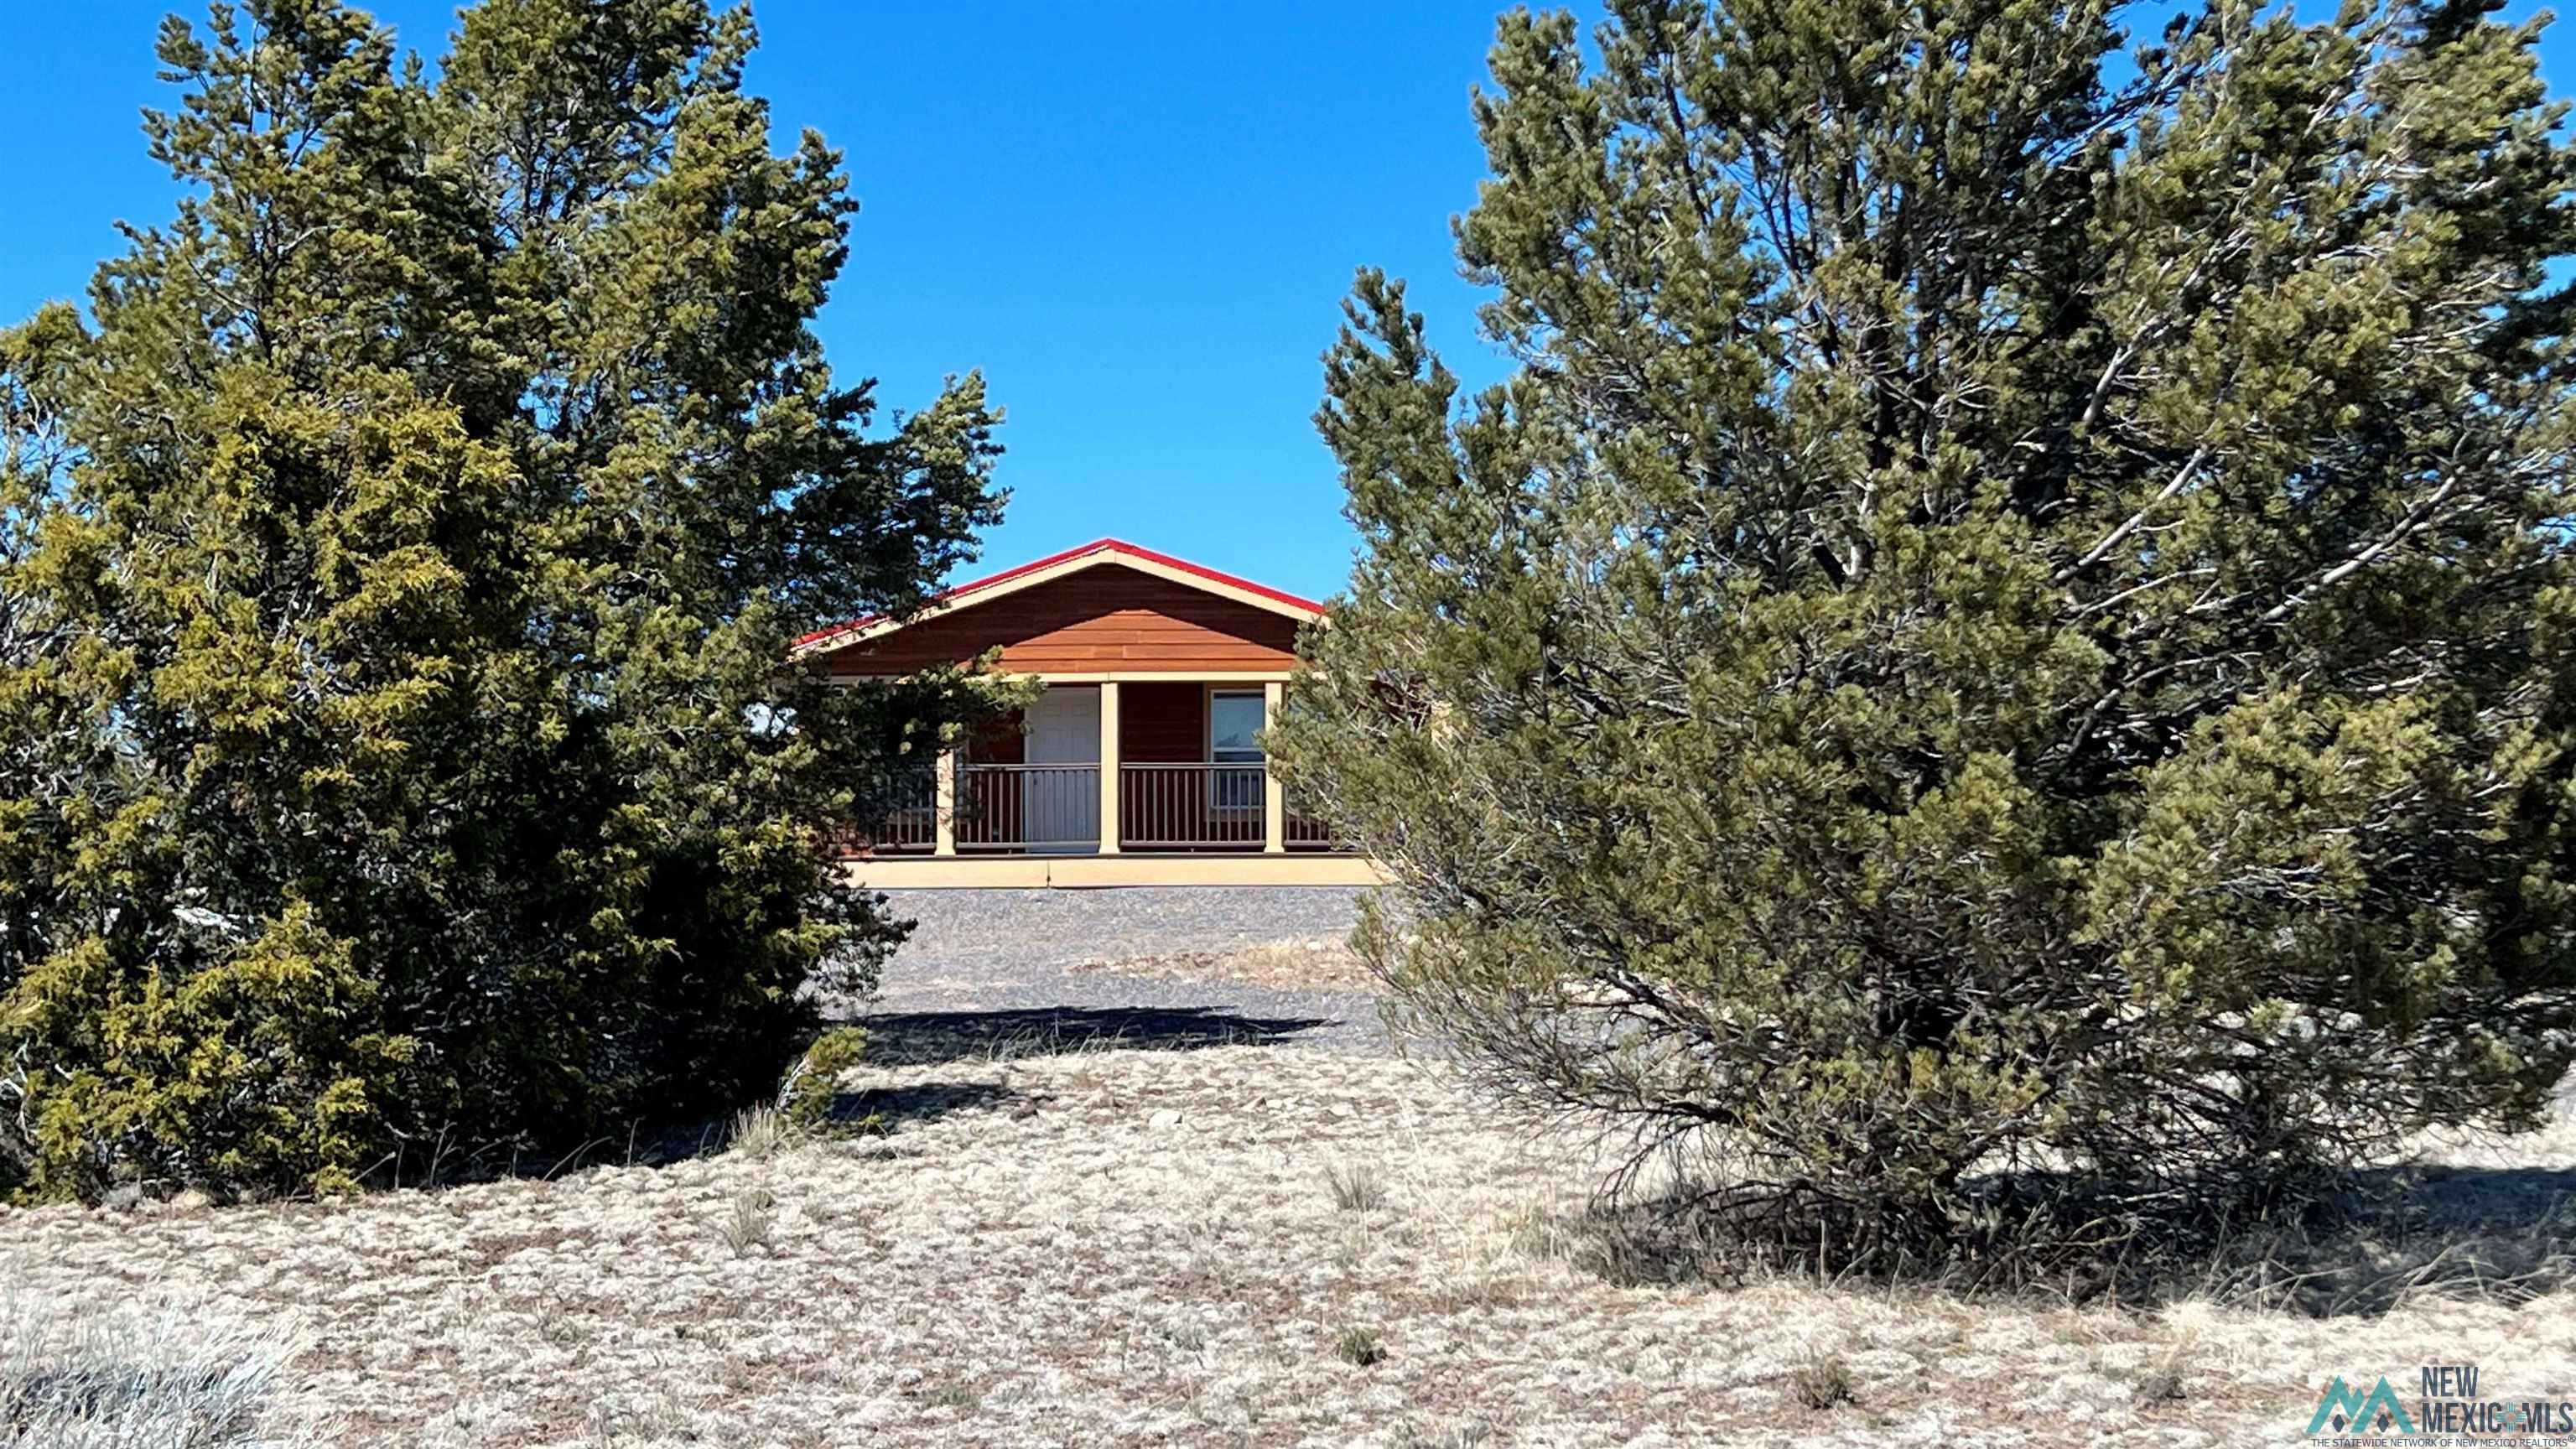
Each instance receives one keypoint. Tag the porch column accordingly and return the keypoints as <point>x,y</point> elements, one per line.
<point>1274,795</point>
<point>943,806</point>
<point>1109,767</point>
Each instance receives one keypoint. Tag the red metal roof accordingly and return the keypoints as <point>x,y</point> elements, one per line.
<point>1109,549</point>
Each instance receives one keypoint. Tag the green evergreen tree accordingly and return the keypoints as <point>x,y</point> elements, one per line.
<point>399,570</point>
<point>2014,608</point>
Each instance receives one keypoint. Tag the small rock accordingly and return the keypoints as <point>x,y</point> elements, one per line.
<point>1164,1117</point>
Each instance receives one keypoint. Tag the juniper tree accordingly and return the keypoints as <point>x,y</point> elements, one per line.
<point>2013,607</point>
<point>399,570</point>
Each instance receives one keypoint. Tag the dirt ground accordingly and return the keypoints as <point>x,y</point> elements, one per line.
<point>1258,962</point>
<point>1318,963</point>
<point>1172,1243</point>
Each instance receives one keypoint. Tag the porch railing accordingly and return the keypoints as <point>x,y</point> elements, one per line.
<point>1306,832</point>
<point>911,822</point>
<point>1028,807</point>
<point>1191,805</point>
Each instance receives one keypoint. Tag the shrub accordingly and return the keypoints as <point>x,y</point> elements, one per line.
<point>1359,1347</point>
<point>260,1062</point>
<point>812,1085</point>
<point>401,745</point>
<point>2015,611</point>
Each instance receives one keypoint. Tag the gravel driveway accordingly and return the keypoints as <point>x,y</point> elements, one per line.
<point>985,970</point>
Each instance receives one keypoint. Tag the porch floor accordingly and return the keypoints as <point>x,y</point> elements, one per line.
<point>936,872</point>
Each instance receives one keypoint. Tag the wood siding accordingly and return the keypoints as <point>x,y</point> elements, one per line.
<point>1100,620</point>
<point>1162,723</point>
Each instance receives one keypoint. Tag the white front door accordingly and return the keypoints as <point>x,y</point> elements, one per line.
<point>1062,807</point>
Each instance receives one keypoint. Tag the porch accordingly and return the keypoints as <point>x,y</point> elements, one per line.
<point>1140,762</point>
<point>1150,781</point>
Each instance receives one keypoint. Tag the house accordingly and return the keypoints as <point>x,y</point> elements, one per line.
<point>1140,761</point>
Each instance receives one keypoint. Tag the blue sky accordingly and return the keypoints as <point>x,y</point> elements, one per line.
<point>1137,219</point>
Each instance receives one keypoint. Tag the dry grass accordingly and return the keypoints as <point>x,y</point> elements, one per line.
<point>1820,1379</point>
<point>748,1225</point>
<point>2162,1377</point>
<point>1355,1186</point>
<point>136,1378</point>
<point>1030,1260</point>
<point>761,1133</point>
<point>1317,963</point>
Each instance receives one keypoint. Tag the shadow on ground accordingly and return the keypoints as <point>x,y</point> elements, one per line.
<point>924,1038</point>
<point>895,1039</point>
<point>2391,1235</point>
<point>886,1108</point>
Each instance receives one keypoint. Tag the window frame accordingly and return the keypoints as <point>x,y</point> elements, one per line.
<point>1218,794</point>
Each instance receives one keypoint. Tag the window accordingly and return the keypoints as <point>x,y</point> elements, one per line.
<point>1234,728</point>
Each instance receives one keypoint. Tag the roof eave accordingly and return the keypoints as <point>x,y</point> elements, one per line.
<point>1058,565</point>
